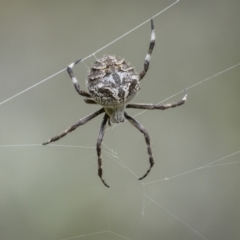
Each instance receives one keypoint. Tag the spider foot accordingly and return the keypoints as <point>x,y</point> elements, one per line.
<point>185,95</point>
<point>45,143</point>
<point>53,139</point>
<point>100,175</point>
<point>103,181</point>
<point>148,171</point>
<point>74,63</point>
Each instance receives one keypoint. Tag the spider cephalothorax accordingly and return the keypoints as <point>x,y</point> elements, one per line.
<point>112,83</point>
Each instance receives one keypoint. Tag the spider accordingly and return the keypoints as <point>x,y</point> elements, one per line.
<point>112,83</point>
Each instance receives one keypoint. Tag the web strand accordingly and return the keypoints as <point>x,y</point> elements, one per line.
<point>33,86</point>
<point>96,233</point>
<point>199,168</point>
<point>173,215</point>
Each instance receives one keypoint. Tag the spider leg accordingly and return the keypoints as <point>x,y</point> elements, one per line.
<point>89,101</point>
<point>75,81</point>
<point>151,106</point>
<point>141,128</point>
<point>75,125</point>
<point>148,56</point>
<point>99,150</point>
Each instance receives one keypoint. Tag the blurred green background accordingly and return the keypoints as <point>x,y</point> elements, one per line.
<point>54,193</point>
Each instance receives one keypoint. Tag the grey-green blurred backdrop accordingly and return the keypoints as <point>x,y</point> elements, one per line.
<point>54,193</point>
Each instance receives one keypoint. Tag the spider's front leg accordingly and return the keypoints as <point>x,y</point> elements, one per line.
<point>148,56</point>
<point>150,106</point>
<point>75,81</point>
<point>99,150</point>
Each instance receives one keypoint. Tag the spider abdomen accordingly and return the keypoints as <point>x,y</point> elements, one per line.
<point>112,82</point>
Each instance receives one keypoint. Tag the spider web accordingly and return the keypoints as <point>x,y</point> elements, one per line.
<point>53,192</point>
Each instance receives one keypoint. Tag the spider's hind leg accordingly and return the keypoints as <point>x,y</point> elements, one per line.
<point>99,150</point>
<point>141,128</point>
<point>75,125</point>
